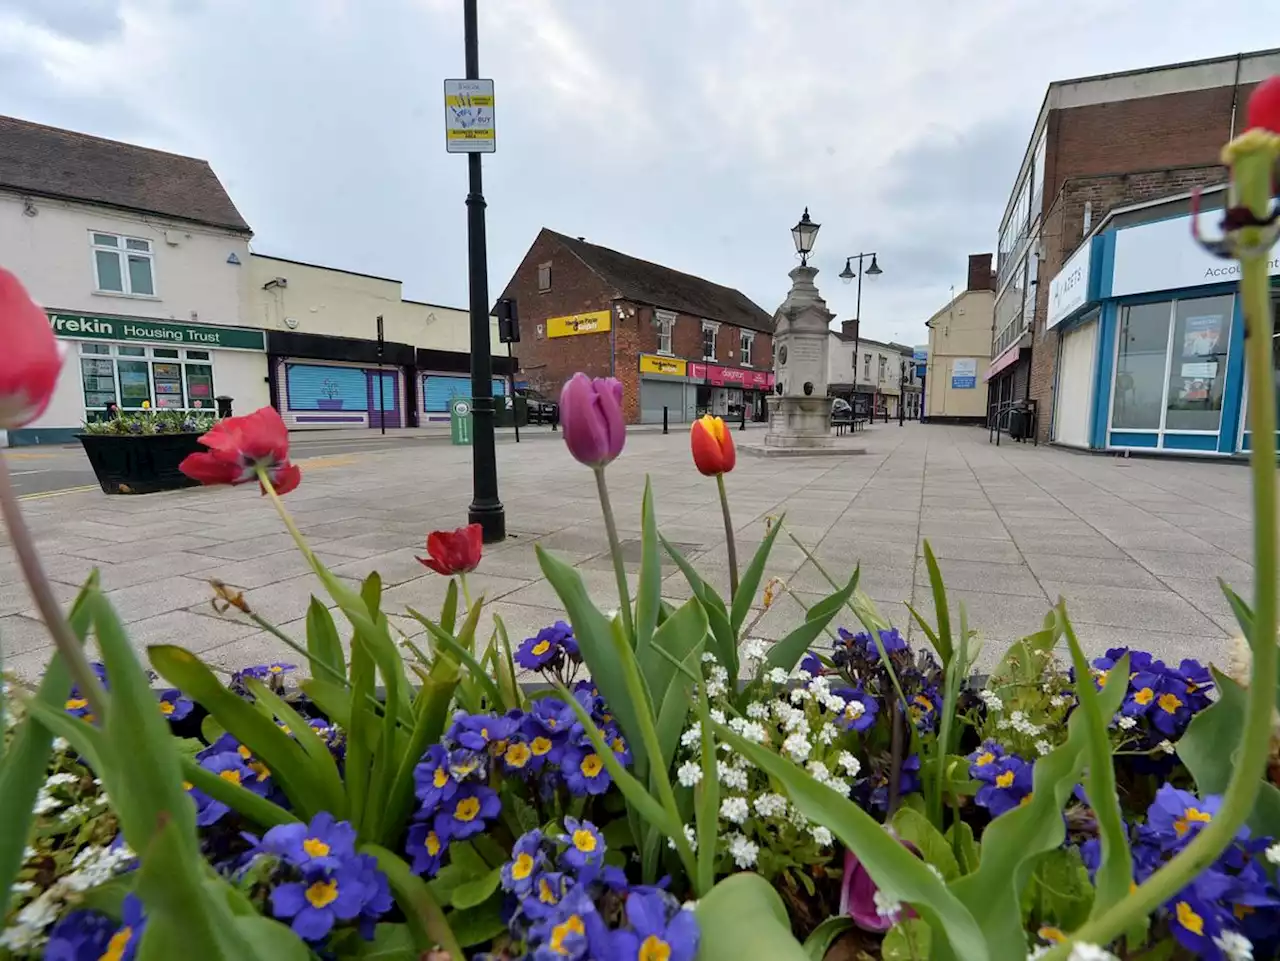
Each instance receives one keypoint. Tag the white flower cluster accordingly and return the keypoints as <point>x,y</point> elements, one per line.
<point>773,806</point>
<point>752,731</point>
<point>850,763</point>
<point>689,773</point>
<point>1018,721</point>
<point>776,675</point>
<point>93,866</point>
<point>1126,723</point>
<point>797,747</point>
<point>755,649</point>
<point>690,835</point>
<point>1273,853</point>
<point>717,681</point>
<point>991,700</point>
<point>743,851</point>
<point>818,771</point>
<point>735,809</point>
<point>757,711</point>
<point>1059,700</point>
<point>886,907</point>
<point>1236,947</point>
<point>733,777</point>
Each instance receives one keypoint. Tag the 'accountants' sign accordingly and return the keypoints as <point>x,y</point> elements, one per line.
<point>92,327</point>
<point>1163,256</point>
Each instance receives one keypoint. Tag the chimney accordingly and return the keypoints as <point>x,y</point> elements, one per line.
<point>849,328</point>
<point>981,276</point>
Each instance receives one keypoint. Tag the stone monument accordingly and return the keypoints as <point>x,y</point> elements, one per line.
<point>800,410</point>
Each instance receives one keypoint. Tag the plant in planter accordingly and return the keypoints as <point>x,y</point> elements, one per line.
<point>329,399</point>
<point>140,452</point>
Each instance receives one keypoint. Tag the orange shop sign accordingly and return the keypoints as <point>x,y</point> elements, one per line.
<point>671,366</point>
<point>595,322</point>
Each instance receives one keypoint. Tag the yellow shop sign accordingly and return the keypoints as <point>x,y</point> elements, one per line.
<point>653,364</point>
<point>596,322</point>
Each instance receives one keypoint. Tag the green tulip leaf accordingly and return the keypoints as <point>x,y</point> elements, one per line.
<point>744,917</point>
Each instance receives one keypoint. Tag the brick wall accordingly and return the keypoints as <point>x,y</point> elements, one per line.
<point>1062,235</point>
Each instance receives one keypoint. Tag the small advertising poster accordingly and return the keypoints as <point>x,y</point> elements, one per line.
<point>1201,335</point>
<point>964,373</point>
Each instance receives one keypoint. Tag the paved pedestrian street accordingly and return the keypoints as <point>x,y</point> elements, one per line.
<point>1134,545</point>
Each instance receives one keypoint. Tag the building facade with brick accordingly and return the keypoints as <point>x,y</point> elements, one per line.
<point>1099,144</point>
<point>678,343</point>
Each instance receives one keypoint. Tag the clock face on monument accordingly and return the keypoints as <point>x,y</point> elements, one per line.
<point>782,356</point>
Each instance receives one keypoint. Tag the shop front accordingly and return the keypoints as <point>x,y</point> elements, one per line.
<point>1073,314</point>
<point>728,391</point>
<point>134,363</point>
<point>322,382</point>
<point>665,390</point>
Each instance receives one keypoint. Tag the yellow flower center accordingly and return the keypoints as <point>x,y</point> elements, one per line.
<point>233,776</point>
<point>1050,933</point>
<point>166,707</point>
<point>322,893</point>
<point>1169,703</point>
<point>523,867</point>
<point>551,723</point>
<point>1145,696</point>
<point>1102,676</point>
<point>540,746</point>
<point>276,669</point>
<point>432,844</point>
<point>653,948</point>
<point>1191,816</point>
<point>117,945</point>
<point>244,752</point>
<point>924,702</point>
<point>541,648</point>
<point>260,769</point>
<point>584,840</point>
<point>1242,911</point>
<point>1188,918</point>
<point>440,778</point>
<point>985,758</point>
<point>484,733</point>
<point>546,893</point>
<point>518,755</point>
<point>315,848</point>
<point>76,703</point>
<point>187,785</point>
<point>560,933</point>
<point>591,765</point>
<point>618,745</point>
<point>1005,779</point>
<point>467,809</point>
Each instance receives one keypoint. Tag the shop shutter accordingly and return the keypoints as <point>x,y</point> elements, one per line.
<point>1074,399</point>
<point>316,387</point>
<point>439,390</point>
<point>654,395</point>
<point>1021,379</point>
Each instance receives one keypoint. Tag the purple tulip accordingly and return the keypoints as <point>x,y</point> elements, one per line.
<point>861,899</point>
<point>591,415</point>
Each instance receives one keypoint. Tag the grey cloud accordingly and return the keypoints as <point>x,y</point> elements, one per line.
<point>89,21</point>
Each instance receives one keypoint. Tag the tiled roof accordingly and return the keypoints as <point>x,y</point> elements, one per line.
<point>50,162</point>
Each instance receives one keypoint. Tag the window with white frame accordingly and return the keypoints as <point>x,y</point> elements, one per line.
<point>123,265</point>
<point>866,366</point>
<point>880,373</point>
<point>746,339</point>
<point>709,340</point>
<point>666,321</point>
<point>132,377</point>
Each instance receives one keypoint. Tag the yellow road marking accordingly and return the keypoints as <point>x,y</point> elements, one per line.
<point>58,493</point>
<point>30,454</point>
<point>321,463</point>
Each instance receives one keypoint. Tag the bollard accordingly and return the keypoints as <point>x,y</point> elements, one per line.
<point>742,425</point>
<point>664,420</point>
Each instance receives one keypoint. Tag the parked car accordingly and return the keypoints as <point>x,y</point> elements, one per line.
<point>542,409</point>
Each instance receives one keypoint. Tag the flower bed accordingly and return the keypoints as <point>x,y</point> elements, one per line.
<point>680,790</point>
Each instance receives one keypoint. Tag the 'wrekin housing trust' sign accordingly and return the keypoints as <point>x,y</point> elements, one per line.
<point>95,327</point>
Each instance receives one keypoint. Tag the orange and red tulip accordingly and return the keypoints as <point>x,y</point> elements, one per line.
<point>712,443</point>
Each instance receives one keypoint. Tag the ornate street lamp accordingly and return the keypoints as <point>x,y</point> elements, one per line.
<point>847,275</point>
<point>804,234</point>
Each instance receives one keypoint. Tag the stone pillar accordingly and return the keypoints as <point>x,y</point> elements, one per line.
<point>800,410</point>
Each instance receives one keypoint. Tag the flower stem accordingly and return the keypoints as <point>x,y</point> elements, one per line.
<point>269,489</point>
<point>42,591</point>
<point>466,592</point>
<point>615,549</point>
<point>728,537</point>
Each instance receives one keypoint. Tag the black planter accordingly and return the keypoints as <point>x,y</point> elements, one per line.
<point>140,463</point>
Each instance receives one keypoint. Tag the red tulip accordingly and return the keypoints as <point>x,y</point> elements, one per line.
<point>238,446</point>
<point>453,552</point>
<point>1264,105</point>
<point>31,358</point>
<point>712,443</point>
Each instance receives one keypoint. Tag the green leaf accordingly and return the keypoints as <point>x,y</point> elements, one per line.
<point>1061,890</point>
<point>271,940</point>
<point>210,729</point>
<point>362,734</point>
<point>707,798</point>
<point>449,610</point>
<point>478,925</point>
<point>288,764</point>
<point>749,583</point>
<point>332,698</point>
<point>824,935</point>
<point>649,588</point>
<point>617,835</point>
<point>257,809</point>
<point>494,854</point>
<point>323,643</point>
<point>787,653</point>
<point>960,837</point>
<point>317,751</point>
<point>895,870</point>
<point>679,639</point>
<point>476,892</point>
<point>24,764</point>
<point>425,918</point>
<point>446,641</point>
<point>1012,842</point>
<point>391,942</point>
<point>717,614</point>
<point>507,683</point>
<point>89,742</point>
<point>908,940</point>
<point>744,917</point>
<point>913,826</point>
<point>942,640</point>
<point>1115,872</point>
<point>595,639</point>
<point>371,593</point>
<point>1021,670</point>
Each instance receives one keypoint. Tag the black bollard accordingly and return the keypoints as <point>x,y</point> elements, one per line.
<point>742,425</point>
<point>664,420</point>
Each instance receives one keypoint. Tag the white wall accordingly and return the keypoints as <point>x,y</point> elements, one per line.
<point>52,256</point>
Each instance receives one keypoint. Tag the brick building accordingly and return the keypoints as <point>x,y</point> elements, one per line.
<point>675,341</point>
<point>1098,144</point>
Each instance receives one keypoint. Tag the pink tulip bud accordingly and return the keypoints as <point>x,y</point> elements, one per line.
<point>31,358</point>
<point>591,416</point>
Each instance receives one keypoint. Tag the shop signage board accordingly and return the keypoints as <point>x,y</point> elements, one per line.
<point>719,376</point>
<point>656,364</point>
<point>460,422</point>
<point>1163,256</point>
<point>468,116</point>
<point>95,327</point>
<point>964,373</point>
<point>1070,290</point>
<point>595,322</point>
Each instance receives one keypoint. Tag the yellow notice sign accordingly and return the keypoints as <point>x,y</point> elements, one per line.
<point>596,322</point>
<point>468,116</point>
<point>672,366</point>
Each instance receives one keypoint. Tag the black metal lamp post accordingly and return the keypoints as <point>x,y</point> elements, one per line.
<point>847,275</point>
<point>804,234</point>
<point>486,509</point>
<point>902,390</point>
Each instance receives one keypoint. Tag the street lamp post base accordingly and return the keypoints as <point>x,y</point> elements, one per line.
<point>492,519</point>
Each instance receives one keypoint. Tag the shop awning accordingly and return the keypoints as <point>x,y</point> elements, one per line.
<point>1006,359</point>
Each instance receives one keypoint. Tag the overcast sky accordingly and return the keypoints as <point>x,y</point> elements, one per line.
<point>687,132</point>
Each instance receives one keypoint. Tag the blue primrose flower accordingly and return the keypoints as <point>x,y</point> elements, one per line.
<point>584,771</point>
<point>91,936</point>
<point>432,781</point>
<point>585,845</point>
<point>320,900</point>
<point>466,813</point>
<point>985,756</point>
<point>325,843</point>
<point>426,847</point>
<point>234,768</point>
<point>477,731</point>
<point>1195,922</point>
<point>528,861</point>
<point>660,928</point>
<point>811,663</point>
<point>1177,816</point>
<point>544,898</point>
<point>174,706</point>
<point>908,782</point>
<point>573,932</point>
<point>208,811</point>
<point>545,647</point>
<point>1006,783</point>
<point>77,705</point>
<point>860,709</point>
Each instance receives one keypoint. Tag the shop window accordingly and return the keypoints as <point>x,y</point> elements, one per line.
<point>135,383</point>
<point>129,376</point>
<point>1140,364</point>
<point>199,385</point>
<point>746,341</point>
<point>123,265</point>
<point>98,375</point>
<point>1201,332</point>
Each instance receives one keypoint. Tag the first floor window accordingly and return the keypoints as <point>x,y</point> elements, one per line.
<point>880,371</point>
<point>708,342</point>
<point>123,265</point>
<point>544,278</point>
<point>665,324</point>
<point>866,366</point>
<point>746,340</point>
